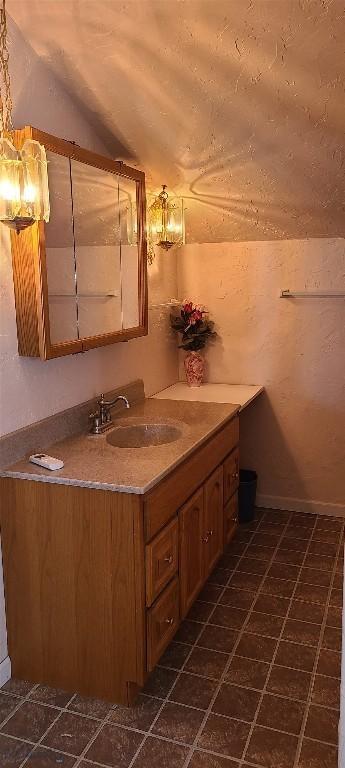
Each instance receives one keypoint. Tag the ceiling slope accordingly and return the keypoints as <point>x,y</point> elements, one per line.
<point>238,105</point>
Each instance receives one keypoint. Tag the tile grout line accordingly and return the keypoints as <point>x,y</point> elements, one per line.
<point>300,567</point>
<point>264,690</point>
<point>283,528</point>
<point>61,710</point>
<point>317,656</point>
<point>231,655</point>
<point>39,742</point>
<point>104,722</point>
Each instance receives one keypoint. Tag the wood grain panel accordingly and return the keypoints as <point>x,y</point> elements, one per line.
<point>161,503</point>
<point>25,291</point>
<point>140,599</point>
<point>70,586</point>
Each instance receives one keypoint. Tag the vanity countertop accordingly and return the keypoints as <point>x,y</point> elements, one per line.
<point>212,393</point>
<point>90,461</point>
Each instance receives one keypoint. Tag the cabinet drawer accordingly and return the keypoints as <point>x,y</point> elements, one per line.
<point>161,561</point>
<point>231,474</point>
<point>230,518</point>
<point>162,622</point>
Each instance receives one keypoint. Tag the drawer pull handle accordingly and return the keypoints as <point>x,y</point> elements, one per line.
<point>168,559</point>
<point>204,539</point>
<point>210,533</point>
<point>169,621</point>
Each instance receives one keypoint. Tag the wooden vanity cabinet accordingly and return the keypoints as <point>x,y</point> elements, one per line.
<point>97,582</point>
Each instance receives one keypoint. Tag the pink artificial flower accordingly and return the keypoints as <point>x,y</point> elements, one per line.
<point>194,312</point>
<point>188,308</point>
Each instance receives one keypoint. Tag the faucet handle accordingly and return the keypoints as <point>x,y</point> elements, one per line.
<point>96,422</point>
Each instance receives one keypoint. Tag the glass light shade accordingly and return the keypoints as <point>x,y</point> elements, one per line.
<point>9,181</point>
<point>24,194</point>
<point>166,221</point>
<point>34,181</point>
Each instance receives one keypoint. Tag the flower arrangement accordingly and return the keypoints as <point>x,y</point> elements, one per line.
<point>194,325</point>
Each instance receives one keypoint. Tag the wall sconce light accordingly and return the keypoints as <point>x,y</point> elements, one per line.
<point>165,223</point>
<point>24,193</point>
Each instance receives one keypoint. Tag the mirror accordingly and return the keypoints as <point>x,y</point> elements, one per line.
<point>92,253</point>
<point>129,252</point>
<point>60,258</point>
<point>97,249</point>
<point>80,280</point>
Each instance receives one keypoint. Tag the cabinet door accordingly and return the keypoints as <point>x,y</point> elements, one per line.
<point>191,550</point>
<point>230,518</point>
<point>213,520</point>
<point>231,474</point>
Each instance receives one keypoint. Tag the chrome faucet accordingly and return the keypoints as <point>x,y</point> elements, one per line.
<point>101,419</point>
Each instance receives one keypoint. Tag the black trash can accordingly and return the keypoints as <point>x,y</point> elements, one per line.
<point>246,495</point>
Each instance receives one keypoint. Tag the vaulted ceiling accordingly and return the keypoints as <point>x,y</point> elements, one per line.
<point>237,104</point>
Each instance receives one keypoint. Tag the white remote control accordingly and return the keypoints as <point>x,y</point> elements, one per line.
<point>47,462</point>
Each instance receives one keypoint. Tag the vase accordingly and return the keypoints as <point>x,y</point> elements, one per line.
<point>194,366</point>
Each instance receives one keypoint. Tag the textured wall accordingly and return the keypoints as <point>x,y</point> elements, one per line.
<point>31,389</point>
<point>294,435</point>
<point>237,103</point>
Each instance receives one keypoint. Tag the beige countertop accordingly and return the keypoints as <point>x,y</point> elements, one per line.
<point>90,461</point>
<point>244,394</point>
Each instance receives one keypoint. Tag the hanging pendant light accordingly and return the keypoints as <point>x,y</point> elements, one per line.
<point>165,222</point>
<point>24,193</point>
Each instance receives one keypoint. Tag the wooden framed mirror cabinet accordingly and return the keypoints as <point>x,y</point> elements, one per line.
<point>80,280</point>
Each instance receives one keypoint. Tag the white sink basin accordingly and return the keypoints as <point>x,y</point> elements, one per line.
<point>143,435</point>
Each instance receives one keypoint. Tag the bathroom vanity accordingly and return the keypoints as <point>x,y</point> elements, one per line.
<point>104,558</point>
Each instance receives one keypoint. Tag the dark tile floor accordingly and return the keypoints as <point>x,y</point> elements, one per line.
<point>251,679</point>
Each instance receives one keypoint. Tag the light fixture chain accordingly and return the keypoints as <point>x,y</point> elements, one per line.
<point>6,100</point>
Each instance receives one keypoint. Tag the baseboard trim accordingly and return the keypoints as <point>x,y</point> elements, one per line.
<point>300,505</point>
<point>5,671</point>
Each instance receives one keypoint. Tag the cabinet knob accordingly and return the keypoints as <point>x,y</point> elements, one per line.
<point>234,475</point>
<point>210,533</point>
<point>169,621</point>
<point>168,559</point>
<point>204,539</point>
